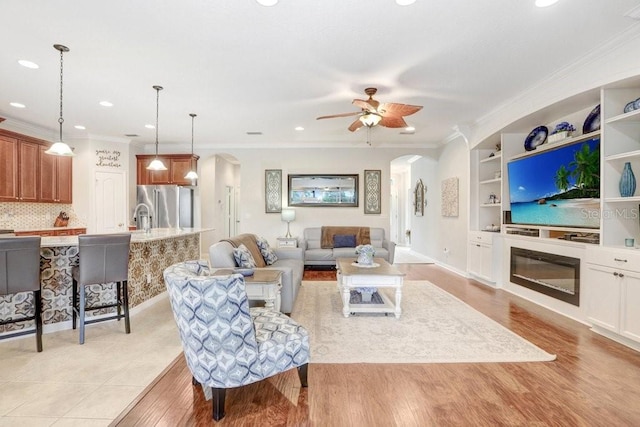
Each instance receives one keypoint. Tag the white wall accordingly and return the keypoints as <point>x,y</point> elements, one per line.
<point>251,203</point>
<point>424,228</point>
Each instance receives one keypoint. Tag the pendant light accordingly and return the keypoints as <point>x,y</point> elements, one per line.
<point>59,148</point>
<point>192,174</point>
<point>156,164</point>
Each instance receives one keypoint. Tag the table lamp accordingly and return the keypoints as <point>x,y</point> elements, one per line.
<point>288,215</point>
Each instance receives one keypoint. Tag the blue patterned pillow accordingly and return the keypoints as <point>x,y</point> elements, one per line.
<point>344,241</point>
<point>243,257</point>
<point>267,253</point>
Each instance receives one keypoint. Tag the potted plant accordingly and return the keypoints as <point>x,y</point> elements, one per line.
<point>561,131</point>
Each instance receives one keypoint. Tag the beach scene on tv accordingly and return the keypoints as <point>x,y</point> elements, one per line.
<point>558,187</point>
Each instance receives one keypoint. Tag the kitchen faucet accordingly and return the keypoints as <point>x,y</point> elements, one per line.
<point>145,218</point>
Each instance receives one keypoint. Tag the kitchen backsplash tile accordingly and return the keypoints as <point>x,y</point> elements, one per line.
<point>35,216</point>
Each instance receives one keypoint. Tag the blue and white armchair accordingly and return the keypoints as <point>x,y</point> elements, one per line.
<point>225,343</point>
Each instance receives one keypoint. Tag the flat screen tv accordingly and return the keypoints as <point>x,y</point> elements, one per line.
<point>557,187</point>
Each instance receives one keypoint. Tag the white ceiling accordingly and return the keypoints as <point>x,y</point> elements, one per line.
<point>242,67</point>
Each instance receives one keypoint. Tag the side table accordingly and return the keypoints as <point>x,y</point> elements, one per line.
<point>287,242</point>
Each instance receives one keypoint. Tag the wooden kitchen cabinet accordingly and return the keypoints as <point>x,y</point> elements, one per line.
<point>27,174</point>
<point>55,178</point>
<point>19,162</point>
<point>177,167</point>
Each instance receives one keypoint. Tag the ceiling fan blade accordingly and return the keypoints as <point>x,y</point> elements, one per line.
<point>355,113</point>
<point>393,122</point>
<point>365,105</point>
<point>397,110</point>
<point>355,125</point>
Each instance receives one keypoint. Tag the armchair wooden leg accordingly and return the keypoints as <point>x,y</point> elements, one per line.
<point>302,373</point>
<point>38,318</point>
<point>218,403</point>
<point>194,381</point>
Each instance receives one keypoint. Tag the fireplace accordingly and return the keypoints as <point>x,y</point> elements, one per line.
<point>554,275</point>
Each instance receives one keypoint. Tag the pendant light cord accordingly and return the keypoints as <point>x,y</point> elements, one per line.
<point>61,119</point>
<point>157,88</point>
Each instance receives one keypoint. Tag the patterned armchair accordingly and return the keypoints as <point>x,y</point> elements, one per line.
<point>225,343</point>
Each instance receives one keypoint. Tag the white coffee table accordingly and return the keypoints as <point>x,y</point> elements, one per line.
<point>384,275</point>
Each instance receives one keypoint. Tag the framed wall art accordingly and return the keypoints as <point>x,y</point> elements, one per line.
<point>323,190</point>
<point>419,198</point>
<point>372,191</point>
<point>273,190</point>
<point>450,197</point>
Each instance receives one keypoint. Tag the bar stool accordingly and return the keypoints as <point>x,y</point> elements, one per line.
<point>20,272</point>
<point>104,259</point>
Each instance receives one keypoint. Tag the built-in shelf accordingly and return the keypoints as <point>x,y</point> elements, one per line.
<point>547,146</point>
<point>491,181</point>
<point>622,199</point>
<point>490,205</point>
<point>623,156</point>
<point>496,156</point>
<point>630,117</point>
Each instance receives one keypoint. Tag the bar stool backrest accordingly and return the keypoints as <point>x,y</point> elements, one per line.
<point>19,264</point>
<point>104,258</point>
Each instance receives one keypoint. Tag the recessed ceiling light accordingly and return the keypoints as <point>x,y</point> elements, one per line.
<point>405,2</point>
<point>79,127</point>
<point>410,129</point>
<point>106,104</point>
<point>299,128</point>
<point>28,64</point>
<point>267,2</point>
<point>545,3</point>
<point>150,126</point>
<point>17,105</point>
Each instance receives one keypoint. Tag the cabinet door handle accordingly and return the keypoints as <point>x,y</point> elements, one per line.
<point>620,260</point>
<point>615,273</point>
<point>620,275</point>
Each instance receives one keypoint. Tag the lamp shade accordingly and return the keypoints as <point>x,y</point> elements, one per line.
<point>156,165</point>
<point>288,215</point>
<point>60,149</point>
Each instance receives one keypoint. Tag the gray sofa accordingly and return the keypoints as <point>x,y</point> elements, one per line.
<point>290,262</point>
<point>314,254</point>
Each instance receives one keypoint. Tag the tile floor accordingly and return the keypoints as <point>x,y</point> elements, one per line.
<point>85,385</point>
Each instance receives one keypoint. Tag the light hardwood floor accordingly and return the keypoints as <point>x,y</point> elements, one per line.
<point>593,382</point>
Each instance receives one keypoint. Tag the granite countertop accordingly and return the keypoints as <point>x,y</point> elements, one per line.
<point>137,236</point>
<point>69,227</point>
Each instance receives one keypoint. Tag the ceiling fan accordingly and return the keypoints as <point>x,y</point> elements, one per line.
<point>387,114</point>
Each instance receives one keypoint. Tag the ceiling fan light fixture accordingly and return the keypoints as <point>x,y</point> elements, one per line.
<point>59,148</point>
<point>156,164</point>
<point>405,2</point>
<point>370,119</point>
<point>267,2</point>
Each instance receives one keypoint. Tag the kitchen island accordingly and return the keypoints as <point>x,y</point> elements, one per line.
<point>150,254</point>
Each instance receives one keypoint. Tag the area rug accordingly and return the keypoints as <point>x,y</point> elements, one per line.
<point>435,327</point>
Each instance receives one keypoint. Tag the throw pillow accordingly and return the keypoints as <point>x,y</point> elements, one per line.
<point>267,253</point>
<point>243,257</point>
<point>344,241</point>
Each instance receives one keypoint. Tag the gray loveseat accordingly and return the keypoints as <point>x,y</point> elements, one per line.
<point>290,262</point>
<point>315,254</point>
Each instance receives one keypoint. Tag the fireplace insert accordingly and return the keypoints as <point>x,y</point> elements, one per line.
<point>554,275</point>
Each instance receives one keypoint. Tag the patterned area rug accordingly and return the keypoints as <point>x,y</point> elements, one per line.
<point>435,327</point>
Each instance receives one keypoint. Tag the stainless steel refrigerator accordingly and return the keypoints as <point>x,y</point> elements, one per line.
<point>168,206</point>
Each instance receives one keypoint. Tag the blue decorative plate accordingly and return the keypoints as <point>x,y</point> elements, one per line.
<point>630,106</point>
<point>592,123</point>
<point>244,271</point>
<point>536,137</point>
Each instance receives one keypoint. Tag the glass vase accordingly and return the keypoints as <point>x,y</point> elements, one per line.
<point>627,181</point>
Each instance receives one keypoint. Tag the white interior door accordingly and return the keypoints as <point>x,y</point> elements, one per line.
<point>110,202</point>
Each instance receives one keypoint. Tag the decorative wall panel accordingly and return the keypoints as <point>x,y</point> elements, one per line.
<point>273,190</point>
<point>450,197</point>
<point>372,192</point>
